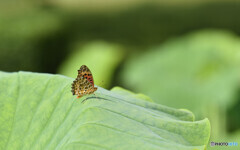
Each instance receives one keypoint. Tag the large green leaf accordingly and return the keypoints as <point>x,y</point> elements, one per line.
<point>38,111</point>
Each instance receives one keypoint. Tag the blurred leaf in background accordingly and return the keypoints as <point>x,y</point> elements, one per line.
<point>22,27</point>
<point>199,68</point>
<point>36,35</point>
<point>199,71</point>
<point>101,57</point>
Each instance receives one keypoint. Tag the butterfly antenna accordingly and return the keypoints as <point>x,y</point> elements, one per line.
<point>100,98</point>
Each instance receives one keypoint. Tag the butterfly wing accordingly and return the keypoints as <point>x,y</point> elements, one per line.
<point>81,86</point>
<point>86,73</point>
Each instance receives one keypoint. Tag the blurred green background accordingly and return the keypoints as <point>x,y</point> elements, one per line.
<point>182,54</point>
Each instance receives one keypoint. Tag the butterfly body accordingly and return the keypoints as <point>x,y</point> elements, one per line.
<point>84,83</point>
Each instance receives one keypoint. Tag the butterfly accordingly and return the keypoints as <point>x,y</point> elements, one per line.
<point>84,83</point>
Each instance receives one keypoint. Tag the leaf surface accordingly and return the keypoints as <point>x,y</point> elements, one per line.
<point>38,111</point>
